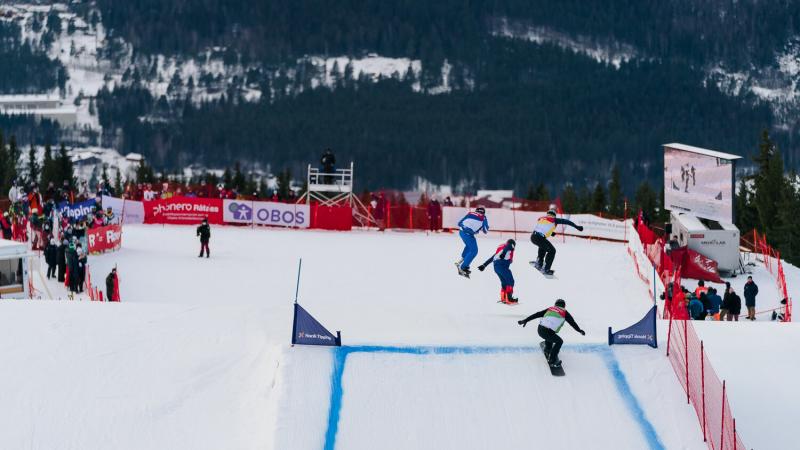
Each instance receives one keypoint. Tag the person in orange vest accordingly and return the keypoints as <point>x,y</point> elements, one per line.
<point>700,289</point>
<point>545,227</point>
<point>35,200</point>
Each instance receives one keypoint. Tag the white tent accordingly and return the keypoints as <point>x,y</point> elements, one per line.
<point>14,269</point>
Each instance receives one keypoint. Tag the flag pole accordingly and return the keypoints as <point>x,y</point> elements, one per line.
<point>297,288</point>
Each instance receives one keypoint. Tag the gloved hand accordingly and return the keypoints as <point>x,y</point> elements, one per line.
<point>580,227</point>
<point>481,267</point>
<point>583,333</point>
<point>522,322</point>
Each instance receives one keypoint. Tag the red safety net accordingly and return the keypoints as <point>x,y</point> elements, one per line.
<point>704,390</point>
<point>773,264</point>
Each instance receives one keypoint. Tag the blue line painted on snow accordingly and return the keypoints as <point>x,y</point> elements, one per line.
<point>340,358</point>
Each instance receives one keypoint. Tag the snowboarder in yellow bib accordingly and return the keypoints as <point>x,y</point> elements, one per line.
<point>552,319</point>
<point>545,227</point>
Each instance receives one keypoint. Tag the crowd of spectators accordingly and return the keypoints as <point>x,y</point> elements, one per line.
<point>705,303</point>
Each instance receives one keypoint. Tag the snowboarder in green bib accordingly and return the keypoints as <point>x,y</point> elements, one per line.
<point>553,319</point>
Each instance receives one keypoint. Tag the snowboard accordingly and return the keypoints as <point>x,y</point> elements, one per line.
<point>461,272</point>
<point>556,371</point>
<point>508,304</point>
<point>539,268</point>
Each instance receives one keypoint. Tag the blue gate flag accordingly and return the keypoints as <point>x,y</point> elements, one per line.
<point>307,331</point>
<point>642,332</point>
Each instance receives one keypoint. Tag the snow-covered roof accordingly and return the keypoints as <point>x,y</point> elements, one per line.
<point>14,98</point>
<point>497,195</point>
<point>703,151</point>
<point>12,248</point>
<point>136,157</point>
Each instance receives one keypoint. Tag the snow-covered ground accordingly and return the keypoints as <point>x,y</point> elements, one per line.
<point>197,351</point>
<point>197,355</point>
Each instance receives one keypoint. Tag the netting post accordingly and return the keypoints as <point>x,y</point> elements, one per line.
<point>669,332</point>
<point>722,424</point>
<point>686,358</point>
<point>703,387</point>
<point>734,434</point>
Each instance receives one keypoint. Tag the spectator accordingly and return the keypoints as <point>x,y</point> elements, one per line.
<point>82,260</point>
<point>447,201</point>
<point>109,218</point>
<point>434,215</point>
<point>714,303</point>
<point>204,232</point>
<point>50,192</point>
<point>732,305</point>
<point>5,224</point>
<point>673,243</point>
<point>61,260</point>
<point>680,308</point>
<point>750,292</point>
<point>380,211</point>
<point>16,193</point>
<point>700,289</point>
<point>51,257</point>
<point>35,200</point>
<point>71,255</point>
<point>111,284</point>
<point>696,310</point>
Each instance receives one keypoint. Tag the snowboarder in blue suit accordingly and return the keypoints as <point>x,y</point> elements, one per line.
<point>501,260</point>
<point>474,222</point>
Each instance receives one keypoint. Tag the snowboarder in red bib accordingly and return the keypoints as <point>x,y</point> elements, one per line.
<point>501,260</point>
<point>545,227</point>
<point>552,319</point>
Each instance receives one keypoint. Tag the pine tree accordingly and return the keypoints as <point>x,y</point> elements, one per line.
<point>645,200</point>
<point>284,180</point>
<point>238,181</point>
<point>104,176</point>
<point>599,199</point>
<point>144,173</point>
<point>13,160</point>
<point>5,183</point>
<point>769,183</point>
<point>746,213</point>
<point>33,166</point>
<point>118,189</point>
<point>584,199</point>
<point>542,193</point>
<point>48,167</point>
<point>615,197</point>
<point>569,200</point>
<point>786,233</point>
<point>65,171</point>
<point>227,178</point>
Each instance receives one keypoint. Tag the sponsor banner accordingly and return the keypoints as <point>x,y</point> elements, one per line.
<point>77,210</point>
<point>642,332</point>
<point>131,211</point>
<point>183,210</point>
<point>596,226</point>
<point>307,331</point>
<point>266,213</point>
<point>501,219</point>
<point>104,239</point>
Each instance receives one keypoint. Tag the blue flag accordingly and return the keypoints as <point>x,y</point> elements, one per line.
<point>642,332</point>
<point>307,331</point>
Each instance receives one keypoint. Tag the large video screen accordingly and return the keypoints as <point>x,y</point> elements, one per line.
<point>698,184</point>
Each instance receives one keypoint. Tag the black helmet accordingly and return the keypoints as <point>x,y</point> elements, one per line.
<point>480,210</point>
<point>561,303</point>
<point>512,243</point>
<point>551,212</point>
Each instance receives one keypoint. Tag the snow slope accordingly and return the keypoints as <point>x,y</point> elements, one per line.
<point>197,351</point>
